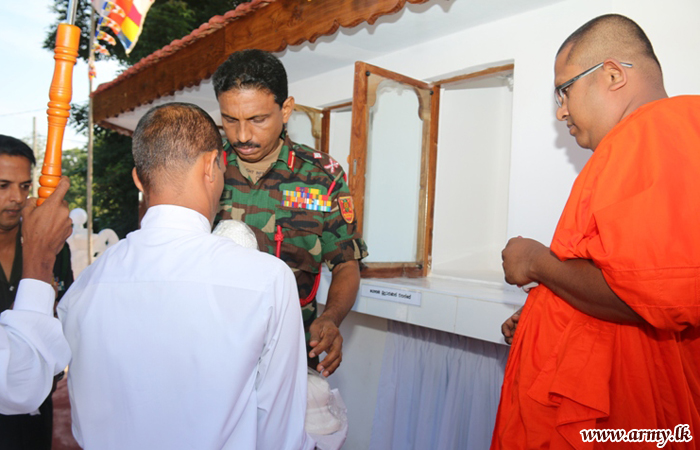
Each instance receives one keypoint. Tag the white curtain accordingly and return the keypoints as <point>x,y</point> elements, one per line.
<point>437,391</point>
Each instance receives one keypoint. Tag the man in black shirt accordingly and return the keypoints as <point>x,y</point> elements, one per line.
<point>23,431</point>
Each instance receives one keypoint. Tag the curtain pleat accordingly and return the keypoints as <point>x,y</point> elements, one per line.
<point>437,390</point>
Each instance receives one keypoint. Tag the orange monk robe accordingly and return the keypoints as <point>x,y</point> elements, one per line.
<point>635,211</point>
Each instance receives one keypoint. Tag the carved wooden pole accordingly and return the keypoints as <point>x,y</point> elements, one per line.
<point>60,93</point>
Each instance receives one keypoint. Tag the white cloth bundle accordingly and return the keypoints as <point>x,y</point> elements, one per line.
<point>238,231</point>
<point>323,414</point>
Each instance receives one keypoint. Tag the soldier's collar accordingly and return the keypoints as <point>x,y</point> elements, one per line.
<point>287,154</point>
<point>231,156</point>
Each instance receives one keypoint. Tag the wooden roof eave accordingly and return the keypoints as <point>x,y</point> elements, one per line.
<point>272,27</point>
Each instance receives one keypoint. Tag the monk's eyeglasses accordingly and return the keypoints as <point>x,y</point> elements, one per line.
<point>561,91</point>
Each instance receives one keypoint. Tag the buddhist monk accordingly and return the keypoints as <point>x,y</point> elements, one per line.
<point>607,347</point>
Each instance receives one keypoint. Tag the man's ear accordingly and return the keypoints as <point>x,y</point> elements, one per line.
<point>616,74</point>
<point>212,168</point>
<point>135,177</point>
<point>287,108</point>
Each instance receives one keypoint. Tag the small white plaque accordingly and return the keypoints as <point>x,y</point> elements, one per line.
<point>390,294</point>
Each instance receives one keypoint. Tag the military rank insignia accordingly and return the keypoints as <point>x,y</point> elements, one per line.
<point>307,198</point>
<point>346,208</point>
<point>332,165</point>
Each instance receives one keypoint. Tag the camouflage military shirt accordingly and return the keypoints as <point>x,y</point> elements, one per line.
<point>293,195</point>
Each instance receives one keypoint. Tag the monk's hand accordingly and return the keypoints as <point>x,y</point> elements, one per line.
<point>508,327</point>
<point>45,229</point>
<point>519,257</point>
<point>325,337</point>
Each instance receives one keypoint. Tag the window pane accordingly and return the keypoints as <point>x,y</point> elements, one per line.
<point>393,175</point>
<point>300,129</point>
<point>340,130</point>
<point>471,200</point>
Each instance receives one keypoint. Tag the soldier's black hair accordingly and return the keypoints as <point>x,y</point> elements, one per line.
<point>169,138</point>
<point>14,147</point>
<point>252,69</point>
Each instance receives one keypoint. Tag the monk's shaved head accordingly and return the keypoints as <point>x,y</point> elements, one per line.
<point>609,69</point>
<point>612,36</point>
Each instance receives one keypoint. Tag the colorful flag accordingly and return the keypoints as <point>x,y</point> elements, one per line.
<point>109,23</point>
<point>124,17</point>
<point>97,48</point>
<point>92,73</point>
<point>103,36</point>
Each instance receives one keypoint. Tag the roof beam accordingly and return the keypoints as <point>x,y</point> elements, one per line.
<point>267,25</point>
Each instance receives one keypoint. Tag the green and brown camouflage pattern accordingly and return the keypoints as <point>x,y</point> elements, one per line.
<point>310,237</point>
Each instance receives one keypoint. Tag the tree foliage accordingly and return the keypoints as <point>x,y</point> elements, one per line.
<point>166,21</point>
<point>115,198</point>
<point>74,166</point>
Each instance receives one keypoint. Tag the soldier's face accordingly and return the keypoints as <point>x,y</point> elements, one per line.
<point>15,182</point>
<point>253,121</point>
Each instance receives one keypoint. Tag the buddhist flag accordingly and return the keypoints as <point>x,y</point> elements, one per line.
<point>103,36</point>
<point>97,48</point>
<point>92,72</point>
<point>124,17</point>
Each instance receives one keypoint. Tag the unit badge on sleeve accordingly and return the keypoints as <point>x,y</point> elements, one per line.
<point>346,208</point>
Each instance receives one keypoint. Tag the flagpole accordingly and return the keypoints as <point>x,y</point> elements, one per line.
<point>35,150</point>
<point>91,63</point>
<point>60,93</point>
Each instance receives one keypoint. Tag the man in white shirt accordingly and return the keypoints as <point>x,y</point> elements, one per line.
<point>32,346</point>
<point>182,339</point>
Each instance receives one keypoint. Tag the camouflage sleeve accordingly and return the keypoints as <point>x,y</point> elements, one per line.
<point>341,241</point>
<point>224,212</point>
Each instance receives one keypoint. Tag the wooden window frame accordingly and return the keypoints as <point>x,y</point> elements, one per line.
<point>326,124</point>
<point>315,115</point>
<point>367,79</point>
<point>363,99</point>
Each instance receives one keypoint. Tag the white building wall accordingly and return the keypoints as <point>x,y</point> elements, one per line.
<point>544,158</point>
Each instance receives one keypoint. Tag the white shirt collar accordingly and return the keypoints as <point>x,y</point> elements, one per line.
<point>178,217</point>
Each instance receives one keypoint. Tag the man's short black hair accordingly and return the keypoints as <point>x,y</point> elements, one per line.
<point>168,140</point>
<point>252,69</point>
<point>14,147</point>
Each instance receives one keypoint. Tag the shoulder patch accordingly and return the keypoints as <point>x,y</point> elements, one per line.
<point>346,208</point>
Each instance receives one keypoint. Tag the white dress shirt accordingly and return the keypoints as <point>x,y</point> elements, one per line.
<point>32,348</point>
<point>185,340</point>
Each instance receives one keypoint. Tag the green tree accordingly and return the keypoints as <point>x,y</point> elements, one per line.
<point>166,21</point>
<point>115,198</point>
<point>74,166</point>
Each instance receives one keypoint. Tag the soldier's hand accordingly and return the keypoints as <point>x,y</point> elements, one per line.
<point>325,337</point>
<point>509,326</point>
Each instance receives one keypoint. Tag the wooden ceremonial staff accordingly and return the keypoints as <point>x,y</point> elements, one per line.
<point>60,93</point>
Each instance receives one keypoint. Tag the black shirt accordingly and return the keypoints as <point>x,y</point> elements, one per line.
<point>62,273</point>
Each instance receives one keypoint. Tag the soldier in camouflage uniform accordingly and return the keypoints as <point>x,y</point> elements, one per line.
<point>295,199</point>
